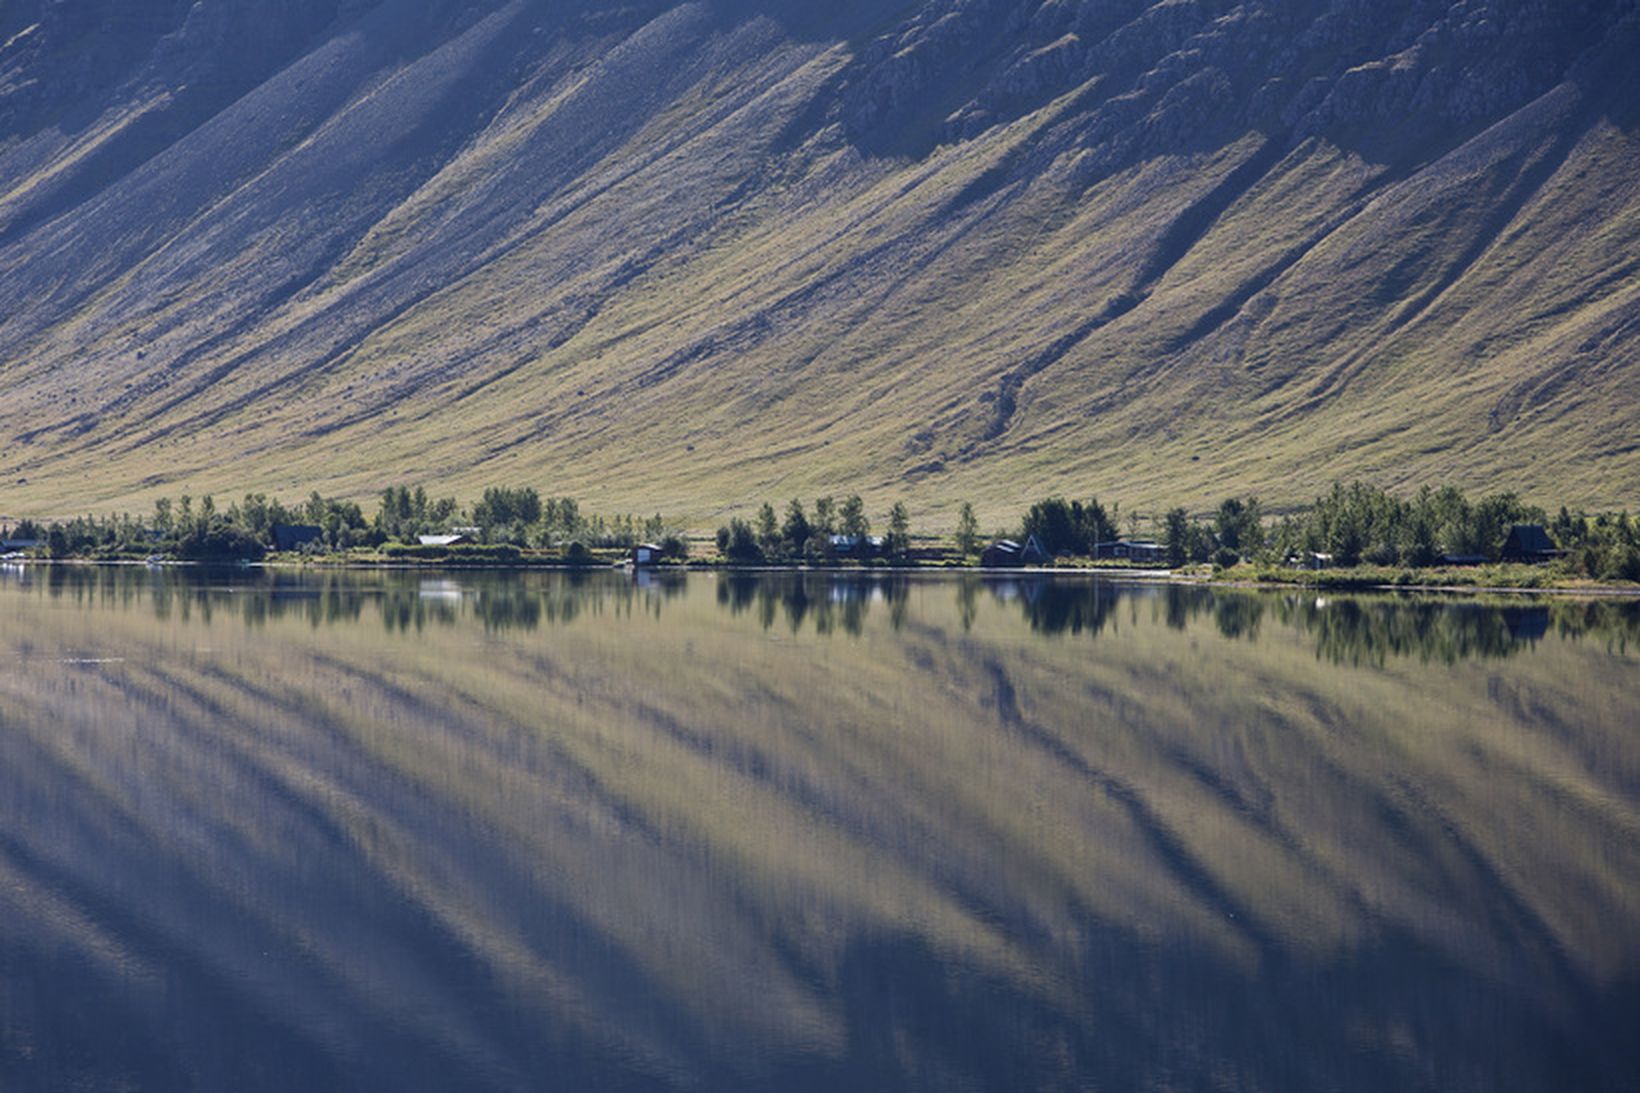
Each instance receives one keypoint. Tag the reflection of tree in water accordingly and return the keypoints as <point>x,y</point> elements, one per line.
<point>254,596</point>
<point>1353,631</point>
<point>1614,622</point>
<point>1183,605</point>
<point>1054,607</point>
<point>501,608</point>
<point>502,602</point>
<point>827,601</point>
<point>967,600</point>
<point>1238,616</point>
<point>738,591</point>
<point>406,601</point>
<point>1362,629</point>
<point>405,609</point>
<point>1346,630</point>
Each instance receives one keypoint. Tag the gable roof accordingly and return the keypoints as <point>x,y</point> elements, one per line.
<point>1530,539</point>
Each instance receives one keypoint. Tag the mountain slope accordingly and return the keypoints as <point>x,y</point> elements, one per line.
<point>681,256</point>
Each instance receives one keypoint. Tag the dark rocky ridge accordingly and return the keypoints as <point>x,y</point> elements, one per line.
<point>944,249</point>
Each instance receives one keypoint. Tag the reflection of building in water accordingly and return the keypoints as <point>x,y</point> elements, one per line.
<point>447,590</point>
<point>1526,624</point>
<point>1005,591</point>
<point>848,592</point>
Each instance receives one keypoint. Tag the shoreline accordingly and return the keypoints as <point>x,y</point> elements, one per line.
<point>1140,575</point>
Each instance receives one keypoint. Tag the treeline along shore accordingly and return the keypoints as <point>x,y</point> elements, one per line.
<point>1355,534</point>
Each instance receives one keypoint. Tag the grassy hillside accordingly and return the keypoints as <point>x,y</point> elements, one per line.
<point>683,257</point>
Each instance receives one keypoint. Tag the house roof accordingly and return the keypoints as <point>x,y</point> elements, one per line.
<point>1531,539</point>
<point>1008,546</point>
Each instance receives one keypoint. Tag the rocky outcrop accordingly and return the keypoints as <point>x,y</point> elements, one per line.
<point>1350,69</point>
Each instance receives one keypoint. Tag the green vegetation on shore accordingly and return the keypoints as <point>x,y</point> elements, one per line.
<point>505,526</point>
<point>1356,536</point>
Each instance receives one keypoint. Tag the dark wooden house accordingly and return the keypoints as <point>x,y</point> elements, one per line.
<point>295,536</point>
<point>1007,554</point>
<point>1529,543</point>
<point>1130,550</point>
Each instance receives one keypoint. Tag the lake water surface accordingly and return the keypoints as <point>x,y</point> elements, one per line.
<point>408,831</point>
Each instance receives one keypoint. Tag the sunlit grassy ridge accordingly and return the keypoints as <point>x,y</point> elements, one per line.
<point>681,257</point>
<point>734,813</point>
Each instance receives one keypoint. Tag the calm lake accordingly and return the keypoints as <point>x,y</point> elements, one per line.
<point>413,831</point>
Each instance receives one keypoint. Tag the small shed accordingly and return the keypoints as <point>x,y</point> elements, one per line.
<point>1008,554</point>
<point>1529,543</point>
<point>443,540</point>
<point>856,546</point>
<point>1130,550</point>
<point>645,554</point>
<point>295,536</point>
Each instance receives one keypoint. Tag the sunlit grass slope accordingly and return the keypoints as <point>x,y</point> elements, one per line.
<point>682,258</point>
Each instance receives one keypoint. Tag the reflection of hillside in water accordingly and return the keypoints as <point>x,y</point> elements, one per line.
<point>611,833</point>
